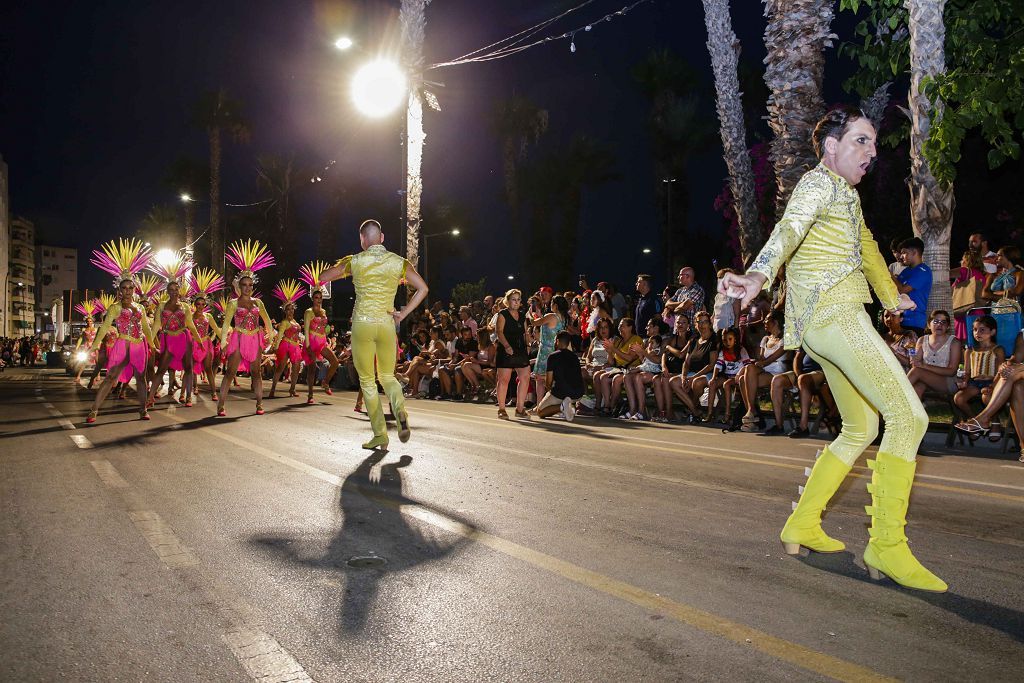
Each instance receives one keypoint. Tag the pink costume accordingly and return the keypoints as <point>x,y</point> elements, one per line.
<point>289,347</point>
<point>317,339</point>
<point>130,343</point>
<point>174,336</point>
<point>201,350</point>
<point>88,337</point>
<point>246,337</point>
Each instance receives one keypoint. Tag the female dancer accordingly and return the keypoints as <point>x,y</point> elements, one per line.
<point>287,345</point>
<point>173,321</point>
<point>830,258</point>
<point>203,283</point>
<point>150,290</point>
<point>103,305</point>
<point>315,328</point>
<point>240,336</point>
<point>87,309</point>
<point>130,354</point>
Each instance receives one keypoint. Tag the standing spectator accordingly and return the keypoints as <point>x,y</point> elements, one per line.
<point>916,282</point>
<point>549,324</point>
<point>545,293</point>
<point>978,242</point>
<point>897,266</point>
<point>648,305</point>
<point>564,379</point>
<point>726,311</point>
<point>935,364</point>
<point>689,298</point>
<point>466,318</point>
<point>1008,282</point>
<point>968,289</point>
<point>512,354</point>
<point>600,309</point>
<point>614,299</point>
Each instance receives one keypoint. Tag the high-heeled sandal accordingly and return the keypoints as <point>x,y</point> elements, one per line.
<point>502,415</point>
<point>259,408</point>
<point>91,417</point>
<point>972,428</point>
<point>221,412</point>
<point>144,415</point>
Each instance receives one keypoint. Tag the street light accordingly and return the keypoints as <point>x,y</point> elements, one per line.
<point>379,88</point>
<point>646,250</point>
<point>511,277</point>
<point>185,197</point>
<point>454,232</point>
<point>165,257</point>
<point>343,43</point>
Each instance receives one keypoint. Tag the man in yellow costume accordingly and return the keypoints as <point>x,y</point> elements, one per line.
<point>830,259</point>
<point>376,274</point>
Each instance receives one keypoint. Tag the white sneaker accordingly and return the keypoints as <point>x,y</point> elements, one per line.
<point>568,409</point>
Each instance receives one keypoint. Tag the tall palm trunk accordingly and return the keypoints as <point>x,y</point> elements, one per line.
<point>724,48</point>
<point>931,204</point>
<point>216,236</point>
<point>796,36</point>
<point>414,23</point>
<point>190,221</point>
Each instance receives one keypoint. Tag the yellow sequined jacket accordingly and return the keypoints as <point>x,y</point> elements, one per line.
<point>829,253</point>
<point>376,274</point>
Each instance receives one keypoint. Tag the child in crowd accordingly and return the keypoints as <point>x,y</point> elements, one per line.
<point>564,379</point>
<point>642,376</point>
<point>730,361</point>
<point>980,364</point>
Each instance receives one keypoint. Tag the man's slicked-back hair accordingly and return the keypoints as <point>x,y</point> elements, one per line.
<point>834,124</point>
<point>370,228</point>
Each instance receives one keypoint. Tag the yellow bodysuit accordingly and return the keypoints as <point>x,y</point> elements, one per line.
<point>376,274</point>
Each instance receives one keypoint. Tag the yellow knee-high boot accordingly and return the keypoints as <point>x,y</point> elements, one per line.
<point>803,528</point>
<point>887,552</point>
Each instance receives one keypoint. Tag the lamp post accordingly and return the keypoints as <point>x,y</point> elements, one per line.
<point>669,184</point>
<point>190,211</point>
<point>454,232</point>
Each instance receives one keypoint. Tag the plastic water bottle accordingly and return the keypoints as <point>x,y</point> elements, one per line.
<point>960,371</point>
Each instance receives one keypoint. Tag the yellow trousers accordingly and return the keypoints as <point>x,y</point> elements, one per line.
<point>377,341</point>
<point>866,379</point>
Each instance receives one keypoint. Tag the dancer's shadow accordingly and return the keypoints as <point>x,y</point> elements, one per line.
<point>373,528</point>
<point>1008,620</point>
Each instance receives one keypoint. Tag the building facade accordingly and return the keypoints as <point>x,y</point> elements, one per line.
<point>5,254</point>
<point>56,273</point>
<point>22,277</point>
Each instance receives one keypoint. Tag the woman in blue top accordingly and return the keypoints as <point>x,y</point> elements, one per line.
<point>550,325</point>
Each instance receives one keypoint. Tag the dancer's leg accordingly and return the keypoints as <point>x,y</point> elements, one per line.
<point>386,352</point>
<point>364,350</point>
<point>229,375</point>
<point>333,367</point>
<point>108,382</point>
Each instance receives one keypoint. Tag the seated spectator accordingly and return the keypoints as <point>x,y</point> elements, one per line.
<point>424,364</point>
<point>771,361</point>
<point>450,373</point>
<point>934,366</point>
<point>727,368</point>
<point>642,376</point>
<point>674,351</point>
<point>597,357</point>
<point>480,369</point>
<point>564,379</point>
<point>968,285</point>
<point>698,366</point>
<point>809,380</point>
<point>1008,388</point>
<point>608,382</point>
<point>903,342</point>
<point>980,365</point>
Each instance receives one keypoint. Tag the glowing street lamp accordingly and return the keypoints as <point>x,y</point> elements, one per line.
<point>343,43</point>
<point>185,197</point>
<point>647,250</point>
<point>165,257</point>
<point>379,88</point>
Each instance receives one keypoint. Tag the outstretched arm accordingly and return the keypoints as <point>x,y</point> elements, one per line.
<point>213,324</point>
<point>340,269</point>
<point>108,321</point>
<point>229,316</point>
<point>307,318</point>
<point>191,325</point>
<point>268,324</point>
<point>148,333</point>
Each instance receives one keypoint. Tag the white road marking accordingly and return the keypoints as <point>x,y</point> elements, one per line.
<point>263,657</point>
<point>108,475</point>
<point>66,423</point>
<point>162,539</point>
<point>80,440</point>
<point>1019,468</point>
<point>47,404</point>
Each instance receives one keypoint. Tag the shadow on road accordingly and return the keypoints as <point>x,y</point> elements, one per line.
<point>373,528</point>
<point>1009,621</point>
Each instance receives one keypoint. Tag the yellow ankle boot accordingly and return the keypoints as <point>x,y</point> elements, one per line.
<point>803,528</point>
<point>887,552</point>
<point>376,442</point>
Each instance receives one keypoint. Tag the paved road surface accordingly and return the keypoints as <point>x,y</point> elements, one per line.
<point>192,548</point>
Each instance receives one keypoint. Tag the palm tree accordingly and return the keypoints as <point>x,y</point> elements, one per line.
<point>278,179</point>
<point>519,123</point>
<point>413,19</point>
<point>680,128</point>
<point>796,35</point>
<point>931,203</point>
<point>218,113</point>
<point>187,177</point>
<point>724,48</point>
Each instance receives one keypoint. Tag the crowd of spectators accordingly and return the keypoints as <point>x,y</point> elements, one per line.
<point>20,351</point>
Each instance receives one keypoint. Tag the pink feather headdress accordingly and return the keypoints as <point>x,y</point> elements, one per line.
<point>312,274</point>
<point>172,270</point>
<point>288,291</point>
<point>122,259</point>
<point>248,257</point>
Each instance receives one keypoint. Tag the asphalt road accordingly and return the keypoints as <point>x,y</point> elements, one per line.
<point>196,548</point>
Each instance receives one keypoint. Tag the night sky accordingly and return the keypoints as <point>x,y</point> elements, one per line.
<point>97,99</point>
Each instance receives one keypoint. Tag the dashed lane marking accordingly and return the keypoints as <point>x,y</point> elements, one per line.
<point>108,475</point>
<point>81,440</point>
<point>161,538</point>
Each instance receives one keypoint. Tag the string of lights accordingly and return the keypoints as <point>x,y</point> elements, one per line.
<point>515,47</point>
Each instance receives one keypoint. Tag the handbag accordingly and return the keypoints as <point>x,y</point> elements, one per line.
<point>967,295</point>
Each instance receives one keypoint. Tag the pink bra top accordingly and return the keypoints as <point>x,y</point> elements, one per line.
<point>129,323</point>
<point>172,321</point>
<point>89,334</point>
<point>318,325</point>
<point>201,323</point>
<point>292,332</point>
<point>247,319</point>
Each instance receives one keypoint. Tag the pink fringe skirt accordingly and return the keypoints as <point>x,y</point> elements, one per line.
<point>248,347</point>
<point>177,345</point>
<point>315,348</point>
<point>137,354</point>
<point>201,351</point>
<point>289,351</point>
